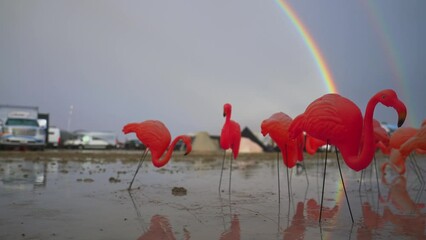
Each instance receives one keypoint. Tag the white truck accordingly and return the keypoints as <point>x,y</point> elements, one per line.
<point>19,127</point>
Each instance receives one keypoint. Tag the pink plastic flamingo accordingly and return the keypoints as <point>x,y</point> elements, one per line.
<point>338,121</point>
<point>230,138</point>
<point>291,149</point>
<point>156,137</point>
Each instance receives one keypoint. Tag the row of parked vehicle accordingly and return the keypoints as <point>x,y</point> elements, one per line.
<point>24,127</point>
<point>81,139</point>
<point>88,140</point>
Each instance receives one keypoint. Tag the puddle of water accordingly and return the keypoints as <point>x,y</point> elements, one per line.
<point>57,199</point>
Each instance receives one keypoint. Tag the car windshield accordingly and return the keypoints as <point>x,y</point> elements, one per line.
<point>21,122</point>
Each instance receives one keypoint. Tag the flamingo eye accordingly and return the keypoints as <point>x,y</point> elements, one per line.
<point>383,96</point>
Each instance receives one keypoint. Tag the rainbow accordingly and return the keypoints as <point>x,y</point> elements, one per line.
<point>393,59</point>
<point>310,43</point>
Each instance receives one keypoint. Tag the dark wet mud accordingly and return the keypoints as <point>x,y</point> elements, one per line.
<point>75,195</point>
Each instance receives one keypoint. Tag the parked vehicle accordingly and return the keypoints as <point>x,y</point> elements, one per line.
<point>54,138</point>
<point>92,140</point>
<point>134,144</point>
<point>19,127</point>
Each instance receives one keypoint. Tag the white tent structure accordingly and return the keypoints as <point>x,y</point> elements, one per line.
<point>248,146</point>
<point>204,143</point>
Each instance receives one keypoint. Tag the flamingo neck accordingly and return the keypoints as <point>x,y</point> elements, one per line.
<point>362,155</point>
<point>161,162</point>
<point>228,117</point>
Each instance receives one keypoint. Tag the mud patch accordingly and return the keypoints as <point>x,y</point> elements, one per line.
<point>179,191</point>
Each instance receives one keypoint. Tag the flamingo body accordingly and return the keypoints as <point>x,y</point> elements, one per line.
<point>277,128</point>
<point>417,141</point>
<point>397,139</point>
<point>400,136</point>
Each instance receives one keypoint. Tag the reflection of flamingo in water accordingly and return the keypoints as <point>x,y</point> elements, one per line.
<point>233,233</point>
<point>313,211</point>
<point>159,228</point>
<point>339,121</point>
<point>291,149</point>
<point>371,221</point>
<point>297,228</point>
<point>299,222</point>
<point>230,138</point>
<point>399,197</point>
<point>411,221</point>
<point>407,224</point>
<point>156,137</point>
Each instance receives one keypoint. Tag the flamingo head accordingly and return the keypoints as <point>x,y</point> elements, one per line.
<point>389,98</point>
<point>227,108</point>
<point>128,128</point>
<point>265,127</point>
<point>187,140</point>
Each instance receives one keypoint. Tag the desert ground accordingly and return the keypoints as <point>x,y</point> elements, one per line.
<point>81,194</point>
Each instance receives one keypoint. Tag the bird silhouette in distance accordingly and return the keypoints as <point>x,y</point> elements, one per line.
<point>156,137</point>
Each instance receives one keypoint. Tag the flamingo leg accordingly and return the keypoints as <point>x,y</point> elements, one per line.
<point>343,184</point>
<point>278,174</point>
<point>417,169</point>
<point>377,175</point>
<point>360,180</point>
<point>221,172</point>
<point>139,166</point>
<point>230,173</point>
<point>323,180</point>
<point>306,172</point>
<point>288,178</point>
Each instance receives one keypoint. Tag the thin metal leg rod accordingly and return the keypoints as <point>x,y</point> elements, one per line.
<point>344,188</point>
<point>278,172</point>
<point>221,172</point>
<point>139,166</point>
<point>323,180</point>
<point>230,173</point>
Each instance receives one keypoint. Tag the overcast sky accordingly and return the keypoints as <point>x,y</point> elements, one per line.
<point>179,61</point>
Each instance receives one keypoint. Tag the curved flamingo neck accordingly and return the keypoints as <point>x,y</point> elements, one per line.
<point>161,162</point>
<point>359,155</point>
<point>228,117</point>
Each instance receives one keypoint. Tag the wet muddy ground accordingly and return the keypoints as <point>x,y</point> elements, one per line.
<point>83,195</point>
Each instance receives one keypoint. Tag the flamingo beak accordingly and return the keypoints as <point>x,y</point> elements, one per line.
<point>401,119</point>
<point>402,112</point>
<point>224,114</point>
